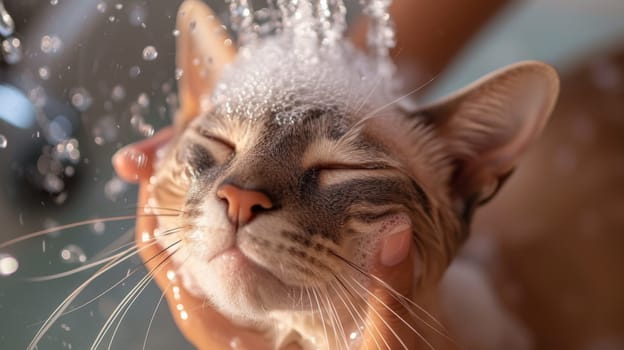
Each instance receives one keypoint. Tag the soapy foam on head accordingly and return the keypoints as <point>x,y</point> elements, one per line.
<point>307,64</point>
<point>283,82</point>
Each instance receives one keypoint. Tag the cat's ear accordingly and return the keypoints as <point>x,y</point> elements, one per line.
<point>203,49</point>
<point>488,125</point>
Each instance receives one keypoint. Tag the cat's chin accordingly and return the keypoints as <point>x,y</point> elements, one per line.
<point>241,289</point>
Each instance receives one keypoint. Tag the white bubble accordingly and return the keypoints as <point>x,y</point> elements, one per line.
<point>143,100</point>
<point>134,71</point>
<point>12,50</point>
<point>235,343</point>
<point>118,93</point>
<point>115,188</point>
<point>73,254</point>
<point>44,72</point>
<point>53,2</point>
<point>119,6</point>
<point>137,15</point>
<point>80,98</point>
<point>175,32</point>
<point>179,72</point>
<point>101,7</point>
<point>354,335</point>
<point>150,53</point>
<point>3,141</point>
<point>98,227</point>
<point>53,183</point>
<point>105,130</point>
<point>8,265</point>
<point>171,275</point>
<point>51,44</point>
<point>184,315</point>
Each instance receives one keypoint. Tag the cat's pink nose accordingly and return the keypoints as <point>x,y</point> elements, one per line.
<point>242,204</point>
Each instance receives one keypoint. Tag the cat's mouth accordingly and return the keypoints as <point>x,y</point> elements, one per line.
<point>234,259</point>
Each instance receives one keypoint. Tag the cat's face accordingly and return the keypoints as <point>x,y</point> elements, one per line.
<point>271,209</point>
<point>288,182</point>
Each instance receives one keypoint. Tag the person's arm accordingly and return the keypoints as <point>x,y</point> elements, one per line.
<point>430,33</point>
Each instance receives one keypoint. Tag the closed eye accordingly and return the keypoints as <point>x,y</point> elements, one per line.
<point>347,167</point>
<point>219,148</point>
<point>331,174</point>
<point>205,133</point>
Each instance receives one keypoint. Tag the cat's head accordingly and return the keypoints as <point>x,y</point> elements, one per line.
<point>290,173</point>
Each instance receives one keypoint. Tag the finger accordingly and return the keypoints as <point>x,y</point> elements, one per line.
<point>389,321</point>
<point>134,162</point>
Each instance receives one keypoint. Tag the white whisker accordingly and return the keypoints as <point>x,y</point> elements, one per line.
<point>350,288</point>
<point>355,320</point>
<point>76,224</point>
<point>322,318</point>
<point>58,311</point>
<point>405,322</point>
<point>129,298</point>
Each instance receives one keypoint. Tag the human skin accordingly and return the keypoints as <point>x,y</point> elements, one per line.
<point>417,23</point>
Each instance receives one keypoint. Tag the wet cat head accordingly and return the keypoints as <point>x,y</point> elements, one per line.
<point>290,167</point>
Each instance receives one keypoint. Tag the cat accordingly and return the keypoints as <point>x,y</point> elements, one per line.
<point>289,172</point>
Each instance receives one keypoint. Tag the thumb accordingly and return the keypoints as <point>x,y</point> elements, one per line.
<point>134,162</point>
<point>390,324</point>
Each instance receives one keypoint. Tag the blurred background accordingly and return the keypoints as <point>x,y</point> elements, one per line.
<point>81,78</point>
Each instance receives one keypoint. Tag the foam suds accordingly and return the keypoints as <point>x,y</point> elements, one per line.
<point>308,63</point>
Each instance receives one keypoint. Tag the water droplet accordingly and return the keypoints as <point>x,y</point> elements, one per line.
<point>7,26</point>
<point>118,93</point>
<point>80,98</point>
<point>235,343</point>
<point>105,130</point>
<point>178,73</point>
<point>60,198</point>
<point>53,183</point>
<point>3,141</point>
<point>44,72</point>
<point>111,19</point>
<point>53,2</point>
<point>101,7</point>
<point>119,6</point>
<point>150,53</point>
<point>115,188</point>
<point>65,327</point>
<point>143,100</point>
<point>12,50</point>
<point>137,15</point>
<point>72,254</point>
<point>69,171</point>
<point>171,275</point>
<point>184,315</point>
<point>8,265</point>
<point>175,32</point>
<point>354,335</point>
<point>134,71</point>
<point>98,227</point>
<point>51,44</point>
